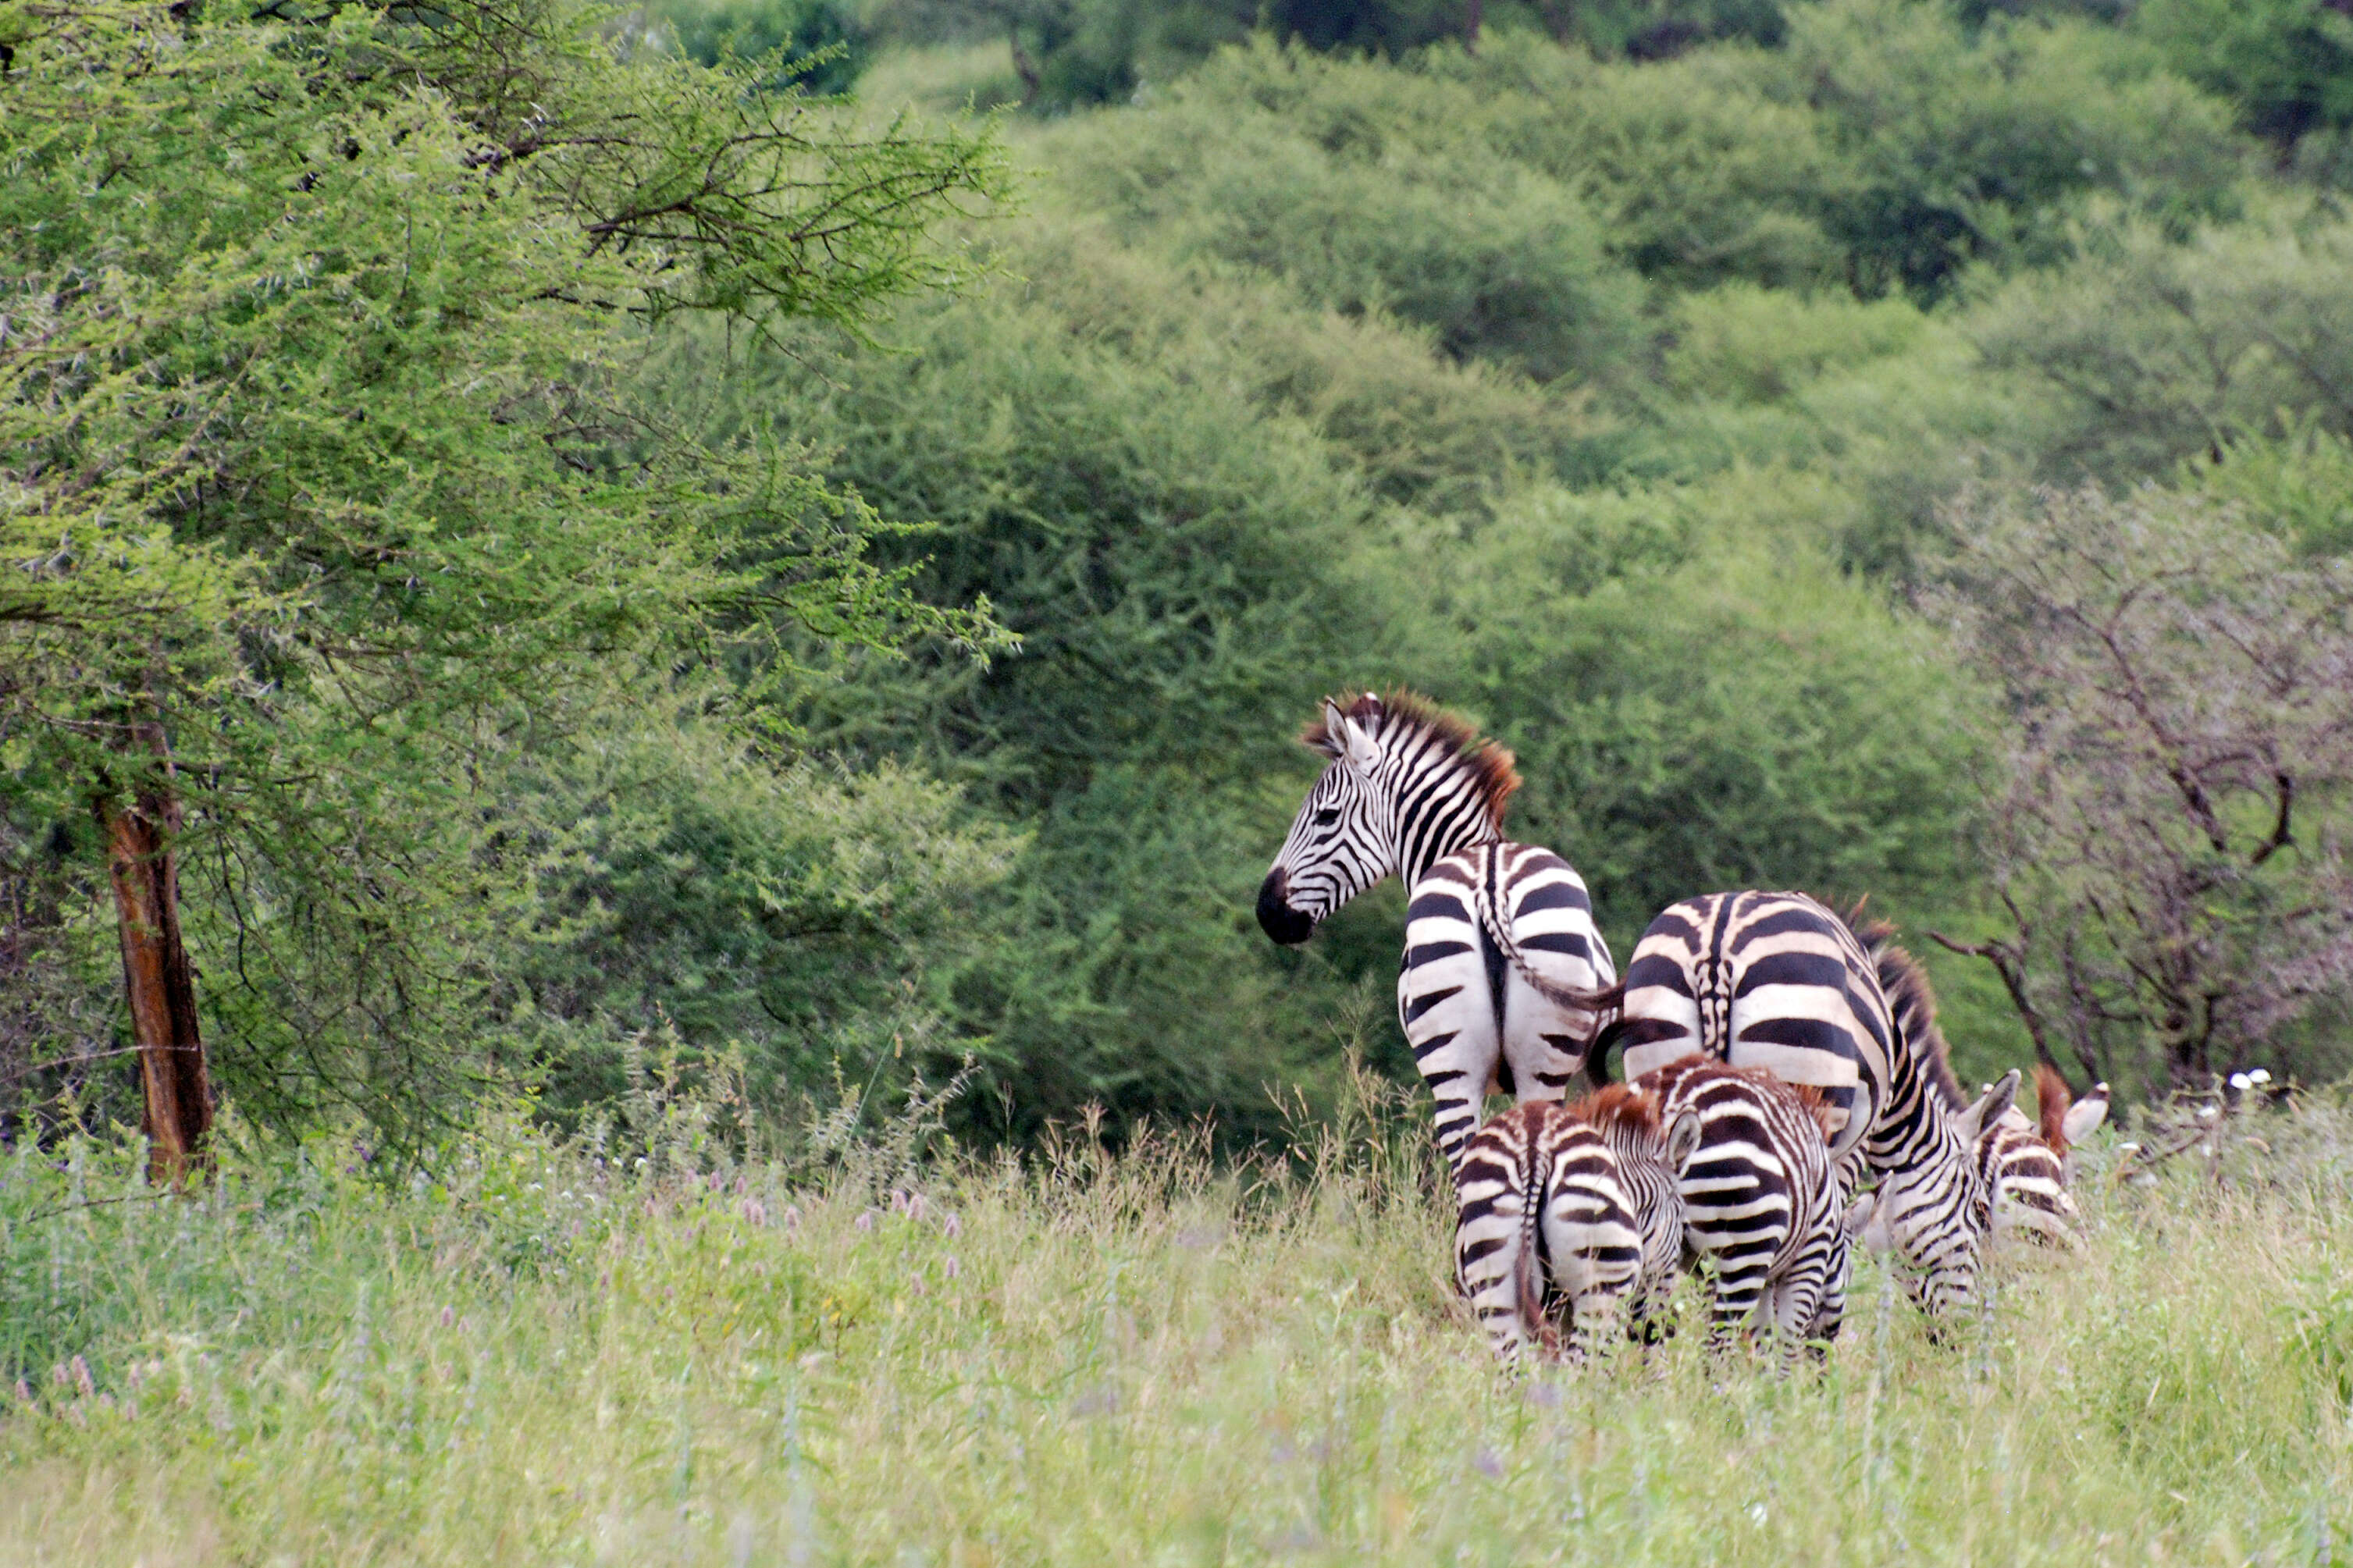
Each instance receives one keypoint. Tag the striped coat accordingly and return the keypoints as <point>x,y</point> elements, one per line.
<point>1543,1222</point>
<point>1777,982</point>
<point>1503,960</point>
<point>2027,1165</point>
<point>1761,1197</point>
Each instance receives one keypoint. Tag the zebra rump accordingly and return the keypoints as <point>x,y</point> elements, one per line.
<point>1761,1198</point>
<point>1543,1219</point>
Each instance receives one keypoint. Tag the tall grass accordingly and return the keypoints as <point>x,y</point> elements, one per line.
<point>544,1353</point>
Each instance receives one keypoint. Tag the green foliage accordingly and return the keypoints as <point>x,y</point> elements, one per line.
<point>322,503</point>
<point>816,43</point>
<point>2285,65</point>
<point>1174,563</point>
<point>1695,712</point>
<point>2153,352</point>
<point>1273,160</point>
<point>1979,148</point>
<point>794,916</point>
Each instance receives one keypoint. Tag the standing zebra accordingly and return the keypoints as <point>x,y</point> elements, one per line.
<point>1761,1198</point>
<point>1546,1209</point>
<point>1777,982</point>
<point>1502,956</point>
<point>2029,1169</point>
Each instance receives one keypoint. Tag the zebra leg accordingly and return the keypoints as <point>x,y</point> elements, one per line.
<point>1740,1272</point>
<point>1793,1304</point>
<point>1446,1005</point>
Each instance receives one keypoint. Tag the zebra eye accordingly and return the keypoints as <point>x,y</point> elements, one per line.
<point>1327,816</point>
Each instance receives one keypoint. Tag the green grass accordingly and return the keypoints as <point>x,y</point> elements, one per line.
<point>1094,1359</point>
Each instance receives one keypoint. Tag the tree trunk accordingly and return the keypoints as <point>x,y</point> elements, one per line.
<point>159,980</point>
<point>1025,68</point>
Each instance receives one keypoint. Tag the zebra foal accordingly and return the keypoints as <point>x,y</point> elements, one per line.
<point>1501,955</point>
<point>1549,1212</point>
<point>1761,1199</point>
<point>1777,982</point>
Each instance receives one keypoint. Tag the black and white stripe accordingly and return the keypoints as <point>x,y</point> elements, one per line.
<point>1544,1222</point>
<point>1501,955</point>
<point>1777,982</point>
<point>2028,1167</point>
<point>1761,1199</point>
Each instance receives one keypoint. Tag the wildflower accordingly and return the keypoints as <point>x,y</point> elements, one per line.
<point>792,1219</point>
<point>449,1316</point>
<point>866,1220</point>
<point>951,1267</point>
<point>952,1227</point>
<point>2241,1082</point>
<point>2260,1076</point>
<point>59,1375</point>
<point>1488,1465</point>
<point>2129,1148</point>
<point>24,1392</point>
<point>756,1211</point>
<point>82,1380</point>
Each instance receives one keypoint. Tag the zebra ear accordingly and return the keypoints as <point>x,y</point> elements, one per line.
<point>2084,1117</point>
<point>1683,1141</point>
<point>1335,731</point>
<point>1990,1107</point>
<point>1356,741</point>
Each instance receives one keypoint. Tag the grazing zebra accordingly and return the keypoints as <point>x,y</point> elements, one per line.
<point>1502,956</point>
<point>1628,1120</point>
<point>1775,981</point>
<point>1761,1198</point>
<point>2029,1169</point>
<point>1543,1213</point>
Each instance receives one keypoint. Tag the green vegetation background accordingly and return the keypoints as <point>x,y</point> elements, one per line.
<point>1604,380</point>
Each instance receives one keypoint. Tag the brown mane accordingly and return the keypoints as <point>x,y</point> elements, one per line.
<point>1913,1003</point>
<point>2051,1098</point>
<point>1489,764</point>
<point>1621,1104</point>
<point>1826,1117</point>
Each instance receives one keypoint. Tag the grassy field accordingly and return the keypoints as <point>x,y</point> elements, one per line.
<point>1096,1358</point>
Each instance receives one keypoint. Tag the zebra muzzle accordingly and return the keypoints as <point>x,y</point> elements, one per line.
<point>1275,915</point>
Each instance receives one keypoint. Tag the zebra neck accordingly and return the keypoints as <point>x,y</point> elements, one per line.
<point>1415,859</point>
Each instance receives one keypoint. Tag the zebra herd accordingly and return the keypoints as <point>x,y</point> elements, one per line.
<point>1785,1088</point>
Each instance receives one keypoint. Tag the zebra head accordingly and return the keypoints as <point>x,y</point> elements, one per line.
<point>1405,784</point>
<point>1937,1213</point>
<point>1342,840</point>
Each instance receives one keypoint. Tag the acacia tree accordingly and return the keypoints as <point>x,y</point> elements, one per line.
<point>2167,830</point>
<point>319,483</point>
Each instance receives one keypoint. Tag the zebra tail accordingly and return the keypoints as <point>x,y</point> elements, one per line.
<point>1526,1284</point>
<point>1600,1004</point>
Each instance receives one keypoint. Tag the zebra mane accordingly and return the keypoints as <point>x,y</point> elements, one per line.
<point>1622,1105</point>
<point>1913,1004</point>
<point>1488,764</point>
<point>1826,1117</point>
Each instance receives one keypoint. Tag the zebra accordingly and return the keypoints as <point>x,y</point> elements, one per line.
<point>1628,1120</point>
<point>1761,1198</point>
<point>1542,1211</point>
<point>1501,955</point>
<point>2029,1167</point>
<point>1777,982</point>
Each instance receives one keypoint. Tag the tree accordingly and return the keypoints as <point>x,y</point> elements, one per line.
<point>2167,832</point>
<point>320,492</point>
